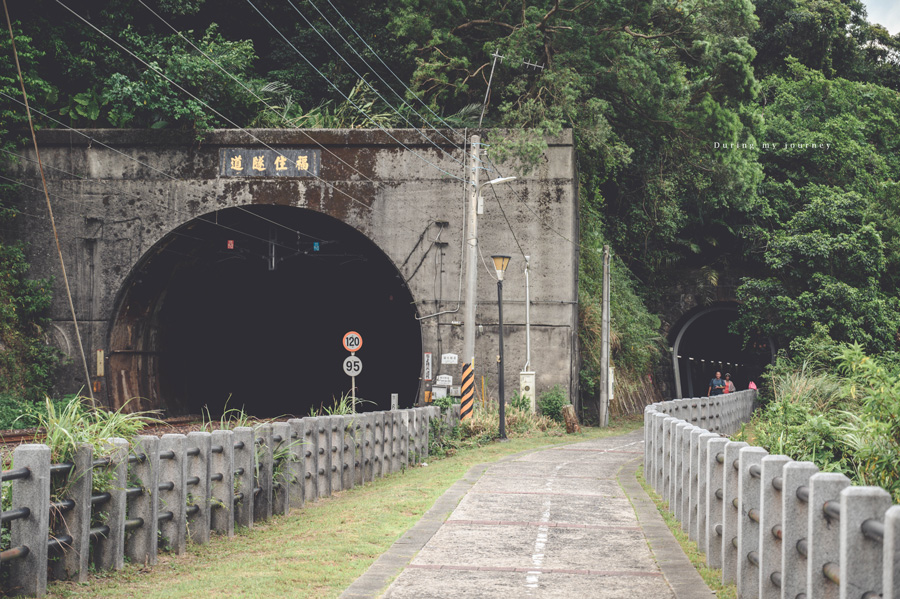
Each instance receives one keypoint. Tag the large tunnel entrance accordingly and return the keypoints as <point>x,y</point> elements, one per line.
<point>703,345</point>
<point>249,305</point>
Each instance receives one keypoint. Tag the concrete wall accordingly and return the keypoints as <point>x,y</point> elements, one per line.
<point>119,192</point>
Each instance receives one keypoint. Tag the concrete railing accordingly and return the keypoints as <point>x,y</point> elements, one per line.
<point>171,489</point>
<point>777,528</point>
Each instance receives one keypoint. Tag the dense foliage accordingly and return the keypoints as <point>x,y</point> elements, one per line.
<point>693,121</point>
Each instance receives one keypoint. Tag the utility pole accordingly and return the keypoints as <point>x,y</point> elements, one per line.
<point>603,407</point>
<point>471,254</point>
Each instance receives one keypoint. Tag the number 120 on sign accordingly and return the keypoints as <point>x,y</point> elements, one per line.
<point>352,366</point>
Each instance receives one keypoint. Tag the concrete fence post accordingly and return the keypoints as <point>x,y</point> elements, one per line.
<point>298,461</point>
<point>397,446</point>
<point>29,576</point>
<point>368,461</point>
<point>405,437</point>
<point>173,492</point>
<point>323,456</point>
<point>689,524</point>
<point>378,445</point>
<point>109,549</point>
<point>648,442</point>
<point>414,437</point>
<point>73,562</point>
<point>262,502</point>
<point>309,474</point>
<point>698,522</point>
<point>660,457</point>
<point>198,443</point>
<point>221,492</point>
<point>794,527</point>
<point>770,546</point>
<point>748,527</point>
<point>824,534</point>
<point>348,459</point>
<point>682,431</point>
<point>389,437</point>
<point>891,564</point>
<point>357,436</point>
<point>730,513</point>
<point>684,474</point>
<point>141,543</point>
<point>335,426</point>
<point>244,476</point>
<point>282,460</point>
<point>861,557</point>
<point>668,440</point>
<point>715,494</point>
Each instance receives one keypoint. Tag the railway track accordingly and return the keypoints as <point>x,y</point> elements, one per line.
<point>170,425</point>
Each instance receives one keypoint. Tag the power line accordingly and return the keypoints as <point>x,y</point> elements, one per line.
<point>347,98</point>
<point>365,62</point>
<point>216,112</point>
<point>508,224</point>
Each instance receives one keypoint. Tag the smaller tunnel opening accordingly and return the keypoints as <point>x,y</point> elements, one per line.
<point>246,308</point>
<point>704,345</point>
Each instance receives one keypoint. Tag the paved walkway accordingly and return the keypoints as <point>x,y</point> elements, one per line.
<point>569,521</point>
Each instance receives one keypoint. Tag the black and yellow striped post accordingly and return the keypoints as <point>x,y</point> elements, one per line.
<point>467,403</point>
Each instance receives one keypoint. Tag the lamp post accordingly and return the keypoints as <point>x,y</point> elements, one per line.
<point>500,264</point>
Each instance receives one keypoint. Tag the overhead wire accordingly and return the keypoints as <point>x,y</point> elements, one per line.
<point>346,97</point>
<point>365,62</point>
<point>158,72</point>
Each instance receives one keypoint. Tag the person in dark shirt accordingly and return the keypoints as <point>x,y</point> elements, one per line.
<point>716,385</point>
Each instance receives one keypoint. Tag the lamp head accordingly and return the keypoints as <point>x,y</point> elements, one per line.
<point>500,264</point>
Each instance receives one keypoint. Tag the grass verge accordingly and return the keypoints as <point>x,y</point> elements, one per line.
<point>317,551</point>
<point>712,576</point>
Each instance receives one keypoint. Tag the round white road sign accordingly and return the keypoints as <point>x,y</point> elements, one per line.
<point>352,366</point>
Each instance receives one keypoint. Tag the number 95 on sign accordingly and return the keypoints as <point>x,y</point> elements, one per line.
<point>352,366</point>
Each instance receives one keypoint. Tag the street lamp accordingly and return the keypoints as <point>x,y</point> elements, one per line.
<point>500,264</point>
<point>485,184</point>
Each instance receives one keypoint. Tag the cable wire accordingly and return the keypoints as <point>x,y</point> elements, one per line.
<point>62,262</point>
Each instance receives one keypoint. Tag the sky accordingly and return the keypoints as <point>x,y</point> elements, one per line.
<point>884,12</point>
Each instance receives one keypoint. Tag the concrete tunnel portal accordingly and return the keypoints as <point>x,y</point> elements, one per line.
<point>247,306</point>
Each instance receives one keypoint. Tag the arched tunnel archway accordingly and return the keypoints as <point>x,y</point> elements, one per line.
<point>251,304</point>
<point>703,344</point>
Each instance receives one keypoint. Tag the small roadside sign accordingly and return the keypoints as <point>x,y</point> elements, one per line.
<point>427,367</point>
<point>449,359</point>
<point>444,380</point>
<point>352,366</point>
<point>352,341</point>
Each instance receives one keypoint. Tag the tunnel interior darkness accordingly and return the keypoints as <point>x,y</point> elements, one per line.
<point>707,346</point>
<point>249,306</point>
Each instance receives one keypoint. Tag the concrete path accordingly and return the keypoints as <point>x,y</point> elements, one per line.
<point>569,521</point>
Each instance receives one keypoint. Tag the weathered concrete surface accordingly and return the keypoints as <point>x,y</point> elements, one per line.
<point>523,528</point>
<point>117,207</point>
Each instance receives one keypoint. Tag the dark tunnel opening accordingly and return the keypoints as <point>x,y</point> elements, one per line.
<point>249,306</point>
<point>704,345</point>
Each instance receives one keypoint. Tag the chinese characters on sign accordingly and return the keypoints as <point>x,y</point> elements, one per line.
<point>244,162</point>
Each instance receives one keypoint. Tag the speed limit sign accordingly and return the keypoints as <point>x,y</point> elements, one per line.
<point>352,341</point>
<point>352,366</point>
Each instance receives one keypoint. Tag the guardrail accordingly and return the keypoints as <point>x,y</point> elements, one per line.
<point>776,527</point>
<point>160,492</point>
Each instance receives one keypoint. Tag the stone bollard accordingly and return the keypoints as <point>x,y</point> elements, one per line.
<point>281,479</point>
<point>298,461</point>
<point>891,562</point>
<point>794,526</point>
<point>173,492</point>
<point>861,557</point>
<point>29,577</point>
<point>244,472</point>
<point>198,447</point>
<point>770,545</point>
<point>748,527</point>
<point>824,534</point>
<point>76,523</point>
<point>221,485</point>
<point>109,549</point>
<point>335,426</point>
<point>141,543</point>
<point>730,514</point>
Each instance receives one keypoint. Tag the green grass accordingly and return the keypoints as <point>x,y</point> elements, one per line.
<point>712,576</point>
<point>315,552</point>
